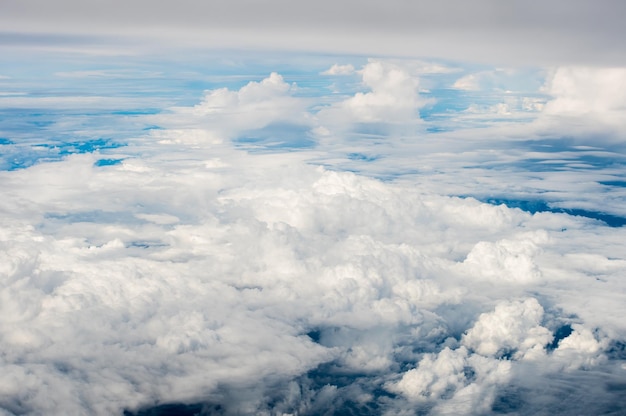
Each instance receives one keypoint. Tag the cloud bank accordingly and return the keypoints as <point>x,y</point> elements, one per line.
<point>180,278</point>
<point>273,248</point>
<point>518,32</point>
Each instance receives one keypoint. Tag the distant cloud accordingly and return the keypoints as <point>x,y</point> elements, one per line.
<point>223,114</point>
<point>119,74</point>
<point>579,91</point>
<point>585,101</point>
<point>522,32</point>
<point>337,69</point>
<point>468,82</point>
<point>392,97</point>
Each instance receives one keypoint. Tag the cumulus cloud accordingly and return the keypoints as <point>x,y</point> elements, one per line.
<point>337,69</point>
<point>454,382</point>
<point>225,114</point>
<point>510,260</point>
<point>189,272</point>
<point>391,102</point>
<point>176,279</point>
<point>581,348</point>
<point>512,328</point>
<point>595,95</point>
<point>393,95</point>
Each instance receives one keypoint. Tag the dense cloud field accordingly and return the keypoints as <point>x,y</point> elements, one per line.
<point>202,230</point>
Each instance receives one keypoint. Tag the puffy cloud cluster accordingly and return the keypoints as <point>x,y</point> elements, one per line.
<point>272,112</point>
<point>510,260</point>
<point>493,353</point>
<point>454,382</point>
<point>393,98</point>
<point>256,282</point>
<point>512,329</point>
<point>579,101</point>
<point>591,99</point>
<point>580,91</point>
<point>224,114</point>
<point>189,272</point>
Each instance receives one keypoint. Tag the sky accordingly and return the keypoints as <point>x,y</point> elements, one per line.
<point>281,208</point>
<point>492,31</point>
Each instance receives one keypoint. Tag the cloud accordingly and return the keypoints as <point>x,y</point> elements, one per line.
<point>581,102</point>
<point>102,73</point>
<point>581,349</point>
<point>23,101</point>
<point>337,69</point>
<point>510,260</point>
<point>392,101</point>
<point>581,90</point>
<point>454,381</point>
<point>507,80</point>
<point>593,93</point>
<point>194,274</point>
<point>513,328</point>
<point>522,32</point>
<point>225,114</point>
<point>468,82</point>
<point>174,278</point>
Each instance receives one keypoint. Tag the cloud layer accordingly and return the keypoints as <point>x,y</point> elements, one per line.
<point>281,247</point>
<point>520,32</point>
<point>175,278</point>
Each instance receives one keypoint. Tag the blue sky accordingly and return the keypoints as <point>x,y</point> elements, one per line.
<point>269,208</point>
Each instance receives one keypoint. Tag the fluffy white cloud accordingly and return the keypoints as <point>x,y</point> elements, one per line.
<point>224,114</point>
<point>176,278</point>
<point>585,100</point>
<point>393,98</point>
<point>510,260</point>
<point>454,382</point>
<point>512,328</point>
<point>581,349</point>
<point>435,376</point>
<point>336,69</point>
<point>191,272</point>
<point>581,91</point>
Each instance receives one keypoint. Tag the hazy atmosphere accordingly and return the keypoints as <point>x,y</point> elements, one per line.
<point>288,208</point>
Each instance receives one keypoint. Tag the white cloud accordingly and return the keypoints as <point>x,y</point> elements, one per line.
<point>392,102</point>
<point>108,74</point>
<point>23,101</point>
<point>223,114</point>
<point>468,82</point>
<point>455,381</point>
<point>336,69</point>
<point>598,94</point>
<point>175,278</point>
<point>581,90</point>
<point>512,328</point>
<point>393,95</point>
<point>508,80</point>
<point>581,349</point>
<point>435,375</point>
<point>259,282</point>
<point>510,260</point>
